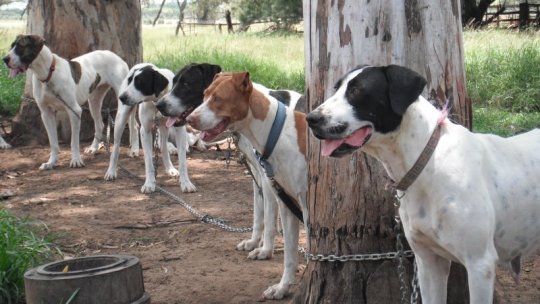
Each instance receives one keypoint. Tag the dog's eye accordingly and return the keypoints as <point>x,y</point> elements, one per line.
<point>185,84</point>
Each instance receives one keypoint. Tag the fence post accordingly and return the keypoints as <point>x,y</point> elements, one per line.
<point>523,16</point>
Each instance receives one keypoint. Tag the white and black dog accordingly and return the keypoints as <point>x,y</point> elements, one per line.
<point>143,85</point>
<point>476,202</point>
<point>60,84</point>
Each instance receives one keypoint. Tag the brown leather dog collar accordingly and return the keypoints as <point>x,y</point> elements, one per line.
<point>51,70</point>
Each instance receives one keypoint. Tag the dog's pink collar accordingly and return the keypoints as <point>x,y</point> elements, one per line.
<point>425,156</point>
<point>51,70</point>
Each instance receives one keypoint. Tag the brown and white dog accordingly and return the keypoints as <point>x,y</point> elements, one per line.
<point>232,102</point>
<point>60,84</point>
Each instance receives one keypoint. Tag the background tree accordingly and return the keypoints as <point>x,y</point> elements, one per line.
<point>283,13</point>
<point>350,211</point>
<point>73,28</point>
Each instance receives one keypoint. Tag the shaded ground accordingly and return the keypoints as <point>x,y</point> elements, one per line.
<point>183,262</point>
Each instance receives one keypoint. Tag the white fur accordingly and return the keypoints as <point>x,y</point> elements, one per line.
<point>476,202</point>
<point>147,112</point>
<point>111,68</point>
<point>4,144</point>
<point>290,169</point>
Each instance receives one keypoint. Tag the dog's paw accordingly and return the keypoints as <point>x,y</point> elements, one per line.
<point>46,166</point>
<point>276,292</point>
<point>188,187</point>
<point>148,188</point>
<point>91,150</point>
<point>247,245</point>
<point>134,153</point>
<point>110,175</point>
<point>76,163</point>
<point>172,171</point>
<point>171,149</point>
<point>4,146</point>
<point>260,254</point>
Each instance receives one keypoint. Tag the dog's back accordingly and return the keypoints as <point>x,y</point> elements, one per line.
<point>102,67</point>
<point>511,171</point>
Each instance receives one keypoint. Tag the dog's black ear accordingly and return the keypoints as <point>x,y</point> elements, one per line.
<point>209,71</point>
<point>160,83</point>
<point>404,86</point>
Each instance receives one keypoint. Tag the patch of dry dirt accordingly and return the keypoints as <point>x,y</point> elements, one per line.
<point>185,262</point>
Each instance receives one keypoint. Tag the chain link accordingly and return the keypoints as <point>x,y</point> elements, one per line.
<point>415,287</point>
<point>228,153</point>
<point>353,257</point>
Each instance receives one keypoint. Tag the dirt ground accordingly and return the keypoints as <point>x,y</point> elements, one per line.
<point>185,261</point>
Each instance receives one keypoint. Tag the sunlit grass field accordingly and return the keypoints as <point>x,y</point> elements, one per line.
<point>502,68</point>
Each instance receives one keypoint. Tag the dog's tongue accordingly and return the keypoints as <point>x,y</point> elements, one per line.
<point>170,121</point>
<point>13,72</point>
<point>356,139</point>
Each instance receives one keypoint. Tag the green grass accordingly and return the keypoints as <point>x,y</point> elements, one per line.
<point>273,60</point>
<point>20,249</point>
<point>10,89</point>
<point>503,80</point>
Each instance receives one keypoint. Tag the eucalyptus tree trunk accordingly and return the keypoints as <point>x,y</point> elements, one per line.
<point>70,29</point>
<point>350,211</point>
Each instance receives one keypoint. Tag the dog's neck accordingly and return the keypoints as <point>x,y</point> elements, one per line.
<point>258,122</point>
<point>41,65</point>
<point>399,150</point>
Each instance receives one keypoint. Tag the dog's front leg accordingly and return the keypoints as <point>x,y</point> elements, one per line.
<point>165,155</point>
<point>433,273</point>
<point>481,277</point>
<point>181,146</point>
<point>49,120</point>
<point>258,215</point>
<point>94,104</point>
<point>146,137</point>
<point>133,134</point>
<point>122,115</point>
<point>290,236</point>
<point>4,144</point>
<point>74,111</point>
<point>269,202</point>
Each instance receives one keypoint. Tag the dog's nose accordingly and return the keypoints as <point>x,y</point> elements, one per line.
<point>123,99</point>
<point>6,60</point>
<point>315,118</point>
<point>161,106</point>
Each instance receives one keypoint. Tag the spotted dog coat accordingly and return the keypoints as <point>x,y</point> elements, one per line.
<point>233,102</point>
<point>143,85</point>
<point>476,202</point>
<point>60,84</point>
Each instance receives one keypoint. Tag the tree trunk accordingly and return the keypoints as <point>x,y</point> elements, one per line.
<point>73,28</point>
<point>351,212</point>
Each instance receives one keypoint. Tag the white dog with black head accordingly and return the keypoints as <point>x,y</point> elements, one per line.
<point>476,201</point>
<point>61,84</point>
<point>144,84</point>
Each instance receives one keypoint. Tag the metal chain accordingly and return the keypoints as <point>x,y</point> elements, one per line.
<point>401,260</point>
<point>205,218</point>
<point>353,257</point>
<point>415,287</point>
<point>228,153</point>
<point>156,145</point>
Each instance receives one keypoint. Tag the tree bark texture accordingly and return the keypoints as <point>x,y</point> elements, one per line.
<point>350,211</point>
<point>73,28</point>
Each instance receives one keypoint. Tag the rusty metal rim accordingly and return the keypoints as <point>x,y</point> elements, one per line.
<point>45,269</point>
